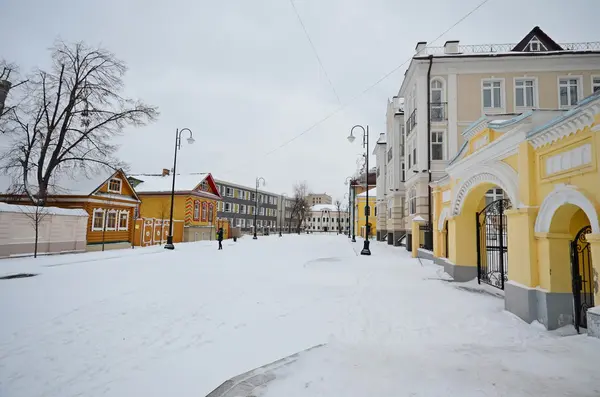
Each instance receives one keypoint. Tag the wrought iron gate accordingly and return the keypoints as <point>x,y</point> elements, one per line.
<point>492,244</point>
<point>446,253</point>
<point>581,271</point>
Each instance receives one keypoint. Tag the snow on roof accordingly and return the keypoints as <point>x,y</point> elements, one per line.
<point>79,182</point>
<point>29,209</point>
<point>160,183</point>
<point>323,207</point>
<point>372,193</point>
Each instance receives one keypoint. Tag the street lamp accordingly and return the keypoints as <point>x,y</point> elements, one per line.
<point>169,245</point>
<point>258,180</point>
<point>365,250</point>
<point>281,212</point>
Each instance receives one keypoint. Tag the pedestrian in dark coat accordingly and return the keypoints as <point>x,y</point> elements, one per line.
<point>220,238</point>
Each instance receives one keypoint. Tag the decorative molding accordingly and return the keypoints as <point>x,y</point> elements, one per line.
<point>574,158</point>
<point>561,195</point>
<point>446,196</point>
<point>443,216</point>
<point>481,142</point>
<point>498,173</point>
<point>569,126</point>
<point>475,128</point>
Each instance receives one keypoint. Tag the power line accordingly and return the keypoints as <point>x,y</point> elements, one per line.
<point>315,51</point>
<point>370,87</point>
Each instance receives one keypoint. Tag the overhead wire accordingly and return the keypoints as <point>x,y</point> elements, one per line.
<point>370,87</point>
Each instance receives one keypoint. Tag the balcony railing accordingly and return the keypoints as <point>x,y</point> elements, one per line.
<point>411,122</point>
<point>438,112</point>
<point>498,48</point>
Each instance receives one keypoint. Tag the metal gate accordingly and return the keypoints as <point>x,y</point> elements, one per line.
<point>446,253</point>
<point>581,271</point>
<point>492,244</point>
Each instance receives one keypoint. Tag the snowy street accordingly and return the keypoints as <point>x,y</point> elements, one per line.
<point>151,322</point>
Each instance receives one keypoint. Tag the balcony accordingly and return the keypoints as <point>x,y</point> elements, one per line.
<point>411,122</point>
<point>439,112</point>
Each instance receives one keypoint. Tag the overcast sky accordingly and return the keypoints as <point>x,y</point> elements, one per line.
<point>241,73</point>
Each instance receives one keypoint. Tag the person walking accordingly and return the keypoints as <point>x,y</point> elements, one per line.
<point>220,238</point>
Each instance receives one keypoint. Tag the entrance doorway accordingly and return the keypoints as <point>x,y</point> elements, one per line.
<point>582,277</point>
<point>492,244</point>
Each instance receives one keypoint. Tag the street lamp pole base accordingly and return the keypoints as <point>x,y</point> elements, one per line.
<point>255,237</point>
<point>280,234</point>
<point>366,250</point>
<point>353,238</point>
<point>169,245</point>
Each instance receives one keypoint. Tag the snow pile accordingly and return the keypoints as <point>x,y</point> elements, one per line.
<point>30,209</point>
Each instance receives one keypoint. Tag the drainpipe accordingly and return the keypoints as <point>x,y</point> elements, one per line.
<point>430,231</point>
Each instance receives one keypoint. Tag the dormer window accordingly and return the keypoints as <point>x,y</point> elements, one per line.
<point>114,185</point>
<point>536,45</point>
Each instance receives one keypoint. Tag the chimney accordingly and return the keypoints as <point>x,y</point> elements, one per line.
<point>166,172</point>
<point>420,46</point>
<point>451,47</point>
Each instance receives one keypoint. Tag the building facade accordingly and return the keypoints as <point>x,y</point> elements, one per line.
<point>106,195</point>
<point>194,207</point>
<point>448,88</point>
<point>239,204</point>
<point>285,206</point>
<point>328,218</point>
<point>539,239</point>
<point>318,198</point>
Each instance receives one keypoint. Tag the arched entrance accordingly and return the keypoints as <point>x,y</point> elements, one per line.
<point>582,277</point>
<point>492,243</point>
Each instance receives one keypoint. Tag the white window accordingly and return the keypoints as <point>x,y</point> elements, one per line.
<point>595,83</point>
<point>253,197</point>
<point>111,220</point>
<point>493,195</point>
<point>437,145</point>
<point>536,45</point>
<point>437,101</point>
<point>243,222</point>
<point>229,192</point>
<point>412,201</point>
<point>123,220</point>
<point>114,185</point>
<point>261,211</point>
<point>227,207</point>
<point>242,209</point>
<point>196,210</point>
<point>409,152</point>
<point>569,91</point>
<point>525,93</point>
<point>492,94</point>
<point>98,219</point>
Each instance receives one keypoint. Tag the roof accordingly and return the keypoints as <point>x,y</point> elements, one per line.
<point>323,207</point>
<point>251,189</point>
<point>160,183</point>
<point>29,209</point>
<point>372,193</point>
<point>546,41</point>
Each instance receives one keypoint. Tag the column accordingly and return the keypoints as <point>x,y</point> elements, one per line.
<point>522,253</point>
<point>593,314</point>
<point>462,244</point>
<point>416,238</point>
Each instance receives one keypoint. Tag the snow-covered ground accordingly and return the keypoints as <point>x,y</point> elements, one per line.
<point>151,322</point>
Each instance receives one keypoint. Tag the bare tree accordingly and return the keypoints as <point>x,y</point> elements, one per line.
<point>338,205</point>
<point>8,74</point>
<point>300,208</point>
<point>67,118</point>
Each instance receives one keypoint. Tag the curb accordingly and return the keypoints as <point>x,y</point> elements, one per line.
<point>243,384</point>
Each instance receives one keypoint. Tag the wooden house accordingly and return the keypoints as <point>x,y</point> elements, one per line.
<point>105,194</point>
<point>194,211</point>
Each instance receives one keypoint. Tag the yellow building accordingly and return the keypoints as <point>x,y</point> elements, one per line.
<point>519,211</point>
<point>194,211</point>
<point>360,223</point>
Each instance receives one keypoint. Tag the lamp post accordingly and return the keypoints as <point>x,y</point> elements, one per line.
<point>169,245</point>
<point>351,137</point>
<point>258,180</point>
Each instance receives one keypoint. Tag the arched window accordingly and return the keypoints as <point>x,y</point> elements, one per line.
<point>196,210</point>
<point>211,209</point>
<point>412,201</point>
<point>204,211</point>
<point>438,105</point>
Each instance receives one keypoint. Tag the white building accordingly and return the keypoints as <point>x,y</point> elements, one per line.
<point>446,89</point>
<point>328,218</point>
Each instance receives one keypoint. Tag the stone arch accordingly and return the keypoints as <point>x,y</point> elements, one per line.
<point>561,195</point>
<point>443,217</point>
<point>498,173</point>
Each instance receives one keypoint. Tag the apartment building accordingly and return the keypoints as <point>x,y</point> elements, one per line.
<point>285,206</point>
<point>318,198</point>
<point>447,89</point>
<point>389,153</point>
<point>239,204</point>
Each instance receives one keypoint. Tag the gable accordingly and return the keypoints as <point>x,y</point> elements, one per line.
<point>208,185</point>
<point>537,40</point>
<point>117,184</point>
